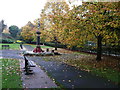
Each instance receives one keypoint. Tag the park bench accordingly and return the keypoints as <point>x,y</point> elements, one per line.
<point>5,46</point>
<point>28,64</point>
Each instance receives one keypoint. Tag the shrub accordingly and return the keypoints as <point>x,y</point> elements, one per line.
<point>6,40</point>
<point>52,44</point>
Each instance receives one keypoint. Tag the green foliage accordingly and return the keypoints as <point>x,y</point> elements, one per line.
<point>14,30</point>
<point>6,40</point>
<point>59,45</point>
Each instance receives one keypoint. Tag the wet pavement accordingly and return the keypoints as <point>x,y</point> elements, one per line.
<point>38,79</point>
<point>15,54</point>
<point>66,75</point>
<point>28,47</point>
<point>71,77</point>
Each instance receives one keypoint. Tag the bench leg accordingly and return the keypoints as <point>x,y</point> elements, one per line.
<point>27,68</point>
<point>28,71</point>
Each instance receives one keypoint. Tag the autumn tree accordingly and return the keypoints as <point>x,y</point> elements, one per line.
<point>72,32</point>
<point>28,32</point>
<point>98,22</point>
<point>102,22</point>
<point>43,34</point>
<point>51,17</point>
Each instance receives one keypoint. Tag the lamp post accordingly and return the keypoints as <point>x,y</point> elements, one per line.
<point>38,34</point>
<point>38,38</point>
<point>38,48</point>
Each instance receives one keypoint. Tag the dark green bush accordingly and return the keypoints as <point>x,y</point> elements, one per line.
<point>52,44</point>
<point>6,40</point>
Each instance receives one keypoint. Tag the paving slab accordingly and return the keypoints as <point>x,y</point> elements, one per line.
<point>38,79</point>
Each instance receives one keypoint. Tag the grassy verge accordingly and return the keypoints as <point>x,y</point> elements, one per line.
<point>108,73</point>
<point>107,68</point>
<point>12,46</point>
<point>11,74</point>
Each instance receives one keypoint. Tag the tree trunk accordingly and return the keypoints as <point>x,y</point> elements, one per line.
<point>55,39</point>
<point>56,45</point>
<point>99,48</point>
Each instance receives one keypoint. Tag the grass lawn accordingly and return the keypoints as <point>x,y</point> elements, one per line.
<point>11,73</point>
<point>12,46</point>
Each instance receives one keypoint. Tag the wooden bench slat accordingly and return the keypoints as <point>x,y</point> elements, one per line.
<point>28,64</point>
<point>31,63</point>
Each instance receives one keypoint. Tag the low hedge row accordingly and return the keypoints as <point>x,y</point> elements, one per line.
<point>53,45</point>
<point>6,40</point>
<point>106,50</point>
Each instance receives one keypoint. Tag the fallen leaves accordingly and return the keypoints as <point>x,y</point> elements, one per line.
<point>107,68</point>
<point>11,73</point>
<point>81,60</point>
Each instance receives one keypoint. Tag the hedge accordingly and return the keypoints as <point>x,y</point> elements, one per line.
<point>6,40</point>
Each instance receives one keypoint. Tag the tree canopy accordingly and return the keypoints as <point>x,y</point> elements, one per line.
<point>96,22</point>
<point>14,30</point>
<point>28,32</point>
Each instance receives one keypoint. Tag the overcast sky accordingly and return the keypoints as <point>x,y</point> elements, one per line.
<point>19,12</point>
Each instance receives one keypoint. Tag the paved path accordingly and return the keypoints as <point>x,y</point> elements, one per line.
<point>38,79</point>
<point>69,76</point>
<point>16,54</point>
<point>28,47</point>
